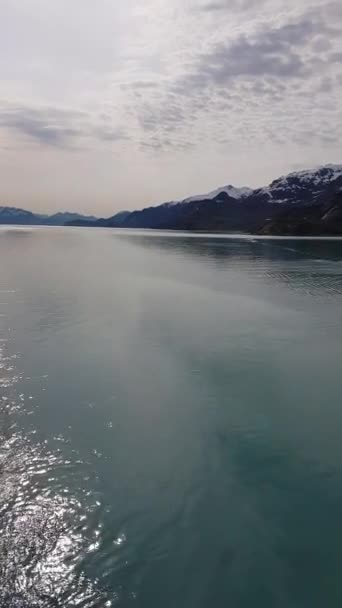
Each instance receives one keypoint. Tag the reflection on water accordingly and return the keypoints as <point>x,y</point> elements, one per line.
<point>44,526</point>
<point>292,260</point>
<point>170,421</point>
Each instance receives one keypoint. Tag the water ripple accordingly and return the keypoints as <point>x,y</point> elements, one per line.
<point>44,526</point>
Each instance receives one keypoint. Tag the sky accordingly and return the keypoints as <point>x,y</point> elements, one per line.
<point>117,104</point>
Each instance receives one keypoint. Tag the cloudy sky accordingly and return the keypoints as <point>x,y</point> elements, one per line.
<point>115,104</point>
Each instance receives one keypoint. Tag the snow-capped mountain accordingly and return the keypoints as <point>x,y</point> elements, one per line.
<point>301,186</point>
<point>232,191</point>
<point>237,193</point>
<point>239,209</point>
<point>294,187</point>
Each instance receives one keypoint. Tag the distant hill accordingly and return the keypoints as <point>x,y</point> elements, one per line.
<point>303,202</point>
<point>116,221</point>
<point>63,218</point>
<point>13,215</point>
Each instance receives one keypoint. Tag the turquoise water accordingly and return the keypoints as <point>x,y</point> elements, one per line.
<point>170,420</point>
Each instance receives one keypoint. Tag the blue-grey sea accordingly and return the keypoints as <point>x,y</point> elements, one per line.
<point>170,420</point>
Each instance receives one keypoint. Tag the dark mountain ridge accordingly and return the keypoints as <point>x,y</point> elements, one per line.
<point>301,195</point>
<point>322,217</point>
<point>304,202</point>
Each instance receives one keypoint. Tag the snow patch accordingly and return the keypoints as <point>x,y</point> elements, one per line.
<point>230,190</point>
<point>313,180</point>
<point>237,193</point>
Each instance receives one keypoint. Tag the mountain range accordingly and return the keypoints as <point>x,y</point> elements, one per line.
<point>13,215</point>
<point>301,203</point>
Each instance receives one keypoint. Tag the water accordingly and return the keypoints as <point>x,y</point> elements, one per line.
<point>170,420</point>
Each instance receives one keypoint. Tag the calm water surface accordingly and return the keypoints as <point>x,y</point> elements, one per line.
<point>170,420</point>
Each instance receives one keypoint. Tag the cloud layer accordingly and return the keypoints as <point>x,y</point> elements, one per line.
<point>185,94</point>
<point>57,127</point>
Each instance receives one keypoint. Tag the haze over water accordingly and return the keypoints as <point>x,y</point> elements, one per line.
<point>170,420</point>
